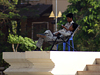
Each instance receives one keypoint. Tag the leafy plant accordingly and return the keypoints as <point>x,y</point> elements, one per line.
<point>26,43</point>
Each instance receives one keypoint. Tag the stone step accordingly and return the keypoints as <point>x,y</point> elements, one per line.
<point>88,73</point>
<point>97,60</point>
<point>93,67</point>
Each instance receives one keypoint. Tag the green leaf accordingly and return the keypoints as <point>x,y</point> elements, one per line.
<point>90,31</point>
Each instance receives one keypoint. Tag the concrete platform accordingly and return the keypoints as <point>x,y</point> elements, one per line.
<point>49,62</point>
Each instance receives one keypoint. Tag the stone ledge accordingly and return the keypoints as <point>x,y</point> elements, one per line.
<point>48,62</point>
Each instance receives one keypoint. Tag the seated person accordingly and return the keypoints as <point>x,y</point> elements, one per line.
<point>48,36</point>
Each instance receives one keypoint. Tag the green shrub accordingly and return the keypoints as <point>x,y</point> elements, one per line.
<point>26,43</point>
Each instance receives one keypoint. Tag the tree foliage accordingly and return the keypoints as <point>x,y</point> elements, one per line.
<point>87,15</point>
<point>8,10</point>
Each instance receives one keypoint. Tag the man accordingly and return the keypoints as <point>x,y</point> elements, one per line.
<point>48,36</point>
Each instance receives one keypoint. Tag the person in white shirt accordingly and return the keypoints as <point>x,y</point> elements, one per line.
<point>48,36</point>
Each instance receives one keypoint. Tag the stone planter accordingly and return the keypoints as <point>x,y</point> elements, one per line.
<point>28,63</point>
<point>48,62</point>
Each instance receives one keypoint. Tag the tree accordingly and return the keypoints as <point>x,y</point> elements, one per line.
<point>8,12</point>
<point>87,15</point>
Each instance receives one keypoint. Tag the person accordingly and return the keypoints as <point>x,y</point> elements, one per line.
<point>66,31</point>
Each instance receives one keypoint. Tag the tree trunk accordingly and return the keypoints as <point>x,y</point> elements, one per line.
<point>13,48</point>
<point>17,47</point>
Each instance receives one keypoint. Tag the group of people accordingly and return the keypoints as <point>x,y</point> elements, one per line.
<point>67,30</point>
